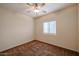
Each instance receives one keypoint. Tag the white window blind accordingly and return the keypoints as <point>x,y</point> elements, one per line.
<point>49,27</point>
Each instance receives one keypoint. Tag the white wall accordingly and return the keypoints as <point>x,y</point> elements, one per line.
<point>66,28</point>
<point>15,29</point>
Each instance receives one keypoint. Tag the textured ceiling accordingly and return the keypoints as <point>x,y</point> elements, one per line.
<point>21,8</point>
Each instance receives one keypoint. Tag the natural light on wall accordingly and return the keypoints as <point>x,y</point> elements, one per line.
<point>49,27</point>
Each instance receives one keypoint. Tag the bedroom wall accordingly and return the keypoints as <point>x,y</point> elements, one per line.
<point>15,29</point>
<point>66,35</point>
<point>78,27</point>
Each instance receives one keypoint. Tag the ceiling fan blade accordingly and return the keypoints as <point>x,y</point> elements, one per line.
<point>28,11</point>
<point>44,11</point>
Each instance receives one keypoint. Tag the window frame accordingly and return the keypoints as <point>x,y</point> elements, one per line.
<point>49,27</point>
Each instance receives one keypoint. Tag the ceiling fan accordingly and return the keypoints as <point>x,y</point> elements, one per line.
<point>35,8</point>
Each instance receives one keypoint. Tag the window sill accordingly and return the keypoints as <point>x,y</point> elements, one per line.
<point>50,34</point>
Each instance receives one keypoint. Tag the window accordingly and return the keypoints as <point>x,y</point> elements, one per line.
<point>49,27</point>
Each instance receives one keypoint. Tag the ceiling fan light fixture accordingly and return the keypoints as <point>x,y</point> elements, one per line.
<point>35,5</point>
<point>36,10</point>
